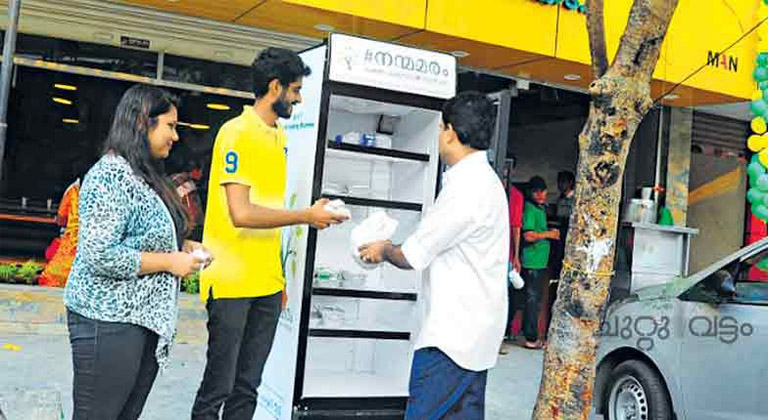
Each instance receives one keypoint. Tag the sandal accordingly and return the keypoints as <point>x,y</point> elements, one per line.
<point>535,345</point>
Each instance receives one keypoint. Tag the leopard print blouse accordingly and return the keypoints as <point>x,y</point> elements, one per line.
<point>120,217</point>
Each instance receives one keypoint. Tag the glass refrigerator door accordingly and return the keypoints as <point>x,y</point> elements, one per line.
<point>363,321</point>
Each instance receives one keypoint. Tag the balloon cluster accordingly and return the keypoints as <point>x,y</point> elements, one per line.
<point>758,191</point>
<point>757,195</point>
<point>758,142</point>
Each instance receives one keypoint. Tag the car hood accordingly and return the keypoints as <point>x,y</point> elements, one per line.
<point>680,285</point>
<point>662,291</point>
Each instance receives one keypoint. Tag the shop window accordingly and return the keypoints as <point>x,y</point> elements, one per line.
<point>58,123</point>
<point>207,73</point>
<point>84,54</point>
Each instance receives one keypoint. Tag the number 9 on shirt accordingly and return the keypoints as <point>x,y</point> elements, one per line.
<point>231,160</point>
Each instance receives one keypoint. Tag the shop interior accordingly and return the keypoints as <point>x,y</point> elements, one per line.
<point>542,140</point>
<point>62,115</point>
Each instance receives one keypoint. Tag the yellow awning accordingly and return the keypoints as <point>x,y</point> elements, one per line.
<point>523,38</point>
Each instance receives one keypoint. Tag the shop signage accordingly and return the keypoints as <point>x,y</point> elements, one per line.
<point>131,42</point>
<point>394,67</point>
<point>723,61</point>
<point>575,5</point>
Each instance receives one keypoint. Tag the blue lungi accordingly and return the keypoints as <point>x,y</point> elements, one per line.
<point>440,389</point>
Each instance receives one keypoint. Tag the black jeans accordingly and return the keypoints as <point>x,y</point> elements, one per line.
<point>240,335</point>
<point>114,368</point>
<point>534,281</point>
<point>513,298</point>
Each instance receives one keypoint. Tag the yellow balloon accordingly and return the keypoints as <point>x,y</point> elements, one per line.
<point>759,125</point>
<point>757,143</point>
<point>758,94</point>
<point>763,157</point>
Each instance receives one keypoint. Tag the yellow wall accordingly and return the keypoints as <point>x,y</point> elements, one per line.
<point>401,12</point>
<point>521,36</point>
<point>701,26</point>
<point>698,27</point>
<point>520,24</point>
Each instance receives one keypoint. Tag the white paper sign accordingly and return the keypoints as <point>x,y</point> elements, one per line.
<point>393,67</point>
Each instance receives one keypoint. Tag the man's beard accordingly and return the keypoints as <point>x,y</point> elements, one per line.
<point>283,108</point>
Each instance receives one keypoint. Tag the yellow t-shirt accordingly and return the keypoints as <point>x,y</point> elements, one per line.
<point>247,261</point>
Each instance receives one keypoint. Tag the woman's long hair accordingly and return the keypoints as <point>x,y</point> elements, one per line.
<point>136,114</point>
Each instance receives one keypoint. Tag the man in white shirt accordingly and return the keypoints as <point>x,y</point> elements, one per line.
<point>463,241</point>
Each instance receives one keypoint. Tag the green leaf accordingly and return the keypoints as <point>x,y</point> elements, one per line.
<point>292,201</point>
<point>8,272</point>
<point>191,283</point>
<point>29,271</point>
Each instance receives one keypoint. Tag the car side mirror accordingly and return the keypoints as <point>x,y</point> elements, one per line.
<point>722,283</point>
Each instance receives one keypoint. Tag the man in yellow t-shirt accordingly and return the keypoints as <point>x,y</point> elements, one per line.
<point>244,288</point>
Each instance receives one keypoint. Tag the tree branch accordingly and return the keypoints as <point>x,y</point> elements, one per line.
<point>596,30</point>
<point>640,46</point>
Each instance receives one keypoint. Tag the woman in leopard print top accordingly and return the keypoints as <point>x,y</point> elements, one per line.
<point>122,292</point>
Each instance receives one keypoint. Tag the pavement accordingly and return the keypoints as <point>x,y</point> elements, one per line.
<point>35,357</point>
<point>43,363</point>
<point>36,310</point>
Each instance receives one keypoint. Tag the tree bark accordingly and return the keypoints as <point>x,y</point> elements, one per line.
<point>620,100</point>
<point>596,30</point>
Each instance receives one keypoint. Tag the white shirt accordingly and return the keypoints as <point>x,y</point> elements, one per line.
<point>464,240</point>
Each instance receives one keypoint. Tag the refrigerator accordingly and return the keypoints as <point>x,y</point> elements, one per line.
<point>366,133</point>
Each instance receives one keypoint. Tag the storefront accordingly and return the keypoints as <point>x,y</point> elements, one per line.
<point>73,62</point>
<point>202,53</point>
<point>718,186</point>
<point>75,58</point>
<point>61,106</point>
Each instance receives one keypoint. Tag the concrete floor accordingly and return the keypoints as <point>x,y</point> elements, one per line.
<point>43,363</point>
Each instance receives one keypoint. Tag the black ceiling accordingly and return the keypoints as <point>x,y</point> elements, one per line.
<point>536,105</point>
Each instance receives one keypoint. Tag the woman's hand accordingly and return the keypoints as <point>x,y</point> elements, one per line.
<point>183,264</point>
<point>192,247</point>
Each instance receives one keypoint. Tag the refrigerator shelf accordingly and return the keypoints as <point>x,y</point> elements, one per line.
<point>364,294</point>
<point>360,334</point>
<point>328,384</point>
<point>331,405</point>
<point>367,202</point>
<point>398,99</point>
<point>352,151</point>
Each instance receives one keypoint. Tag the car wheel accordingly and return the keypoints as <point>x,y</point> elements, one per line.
<point>634,391</point>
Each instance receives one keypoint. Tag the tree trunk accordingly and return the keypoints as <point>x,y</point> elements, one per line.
<point>620,100</point>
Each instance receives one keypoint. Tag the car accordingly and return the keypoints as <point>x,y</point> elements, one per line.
<point>690,349</point>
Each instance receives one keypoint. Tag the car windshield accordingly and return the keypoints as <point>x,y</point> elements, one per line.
<point>752,280</point>
<point>755,268</point>
<point>756,251</point>
<point>749,274</point>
